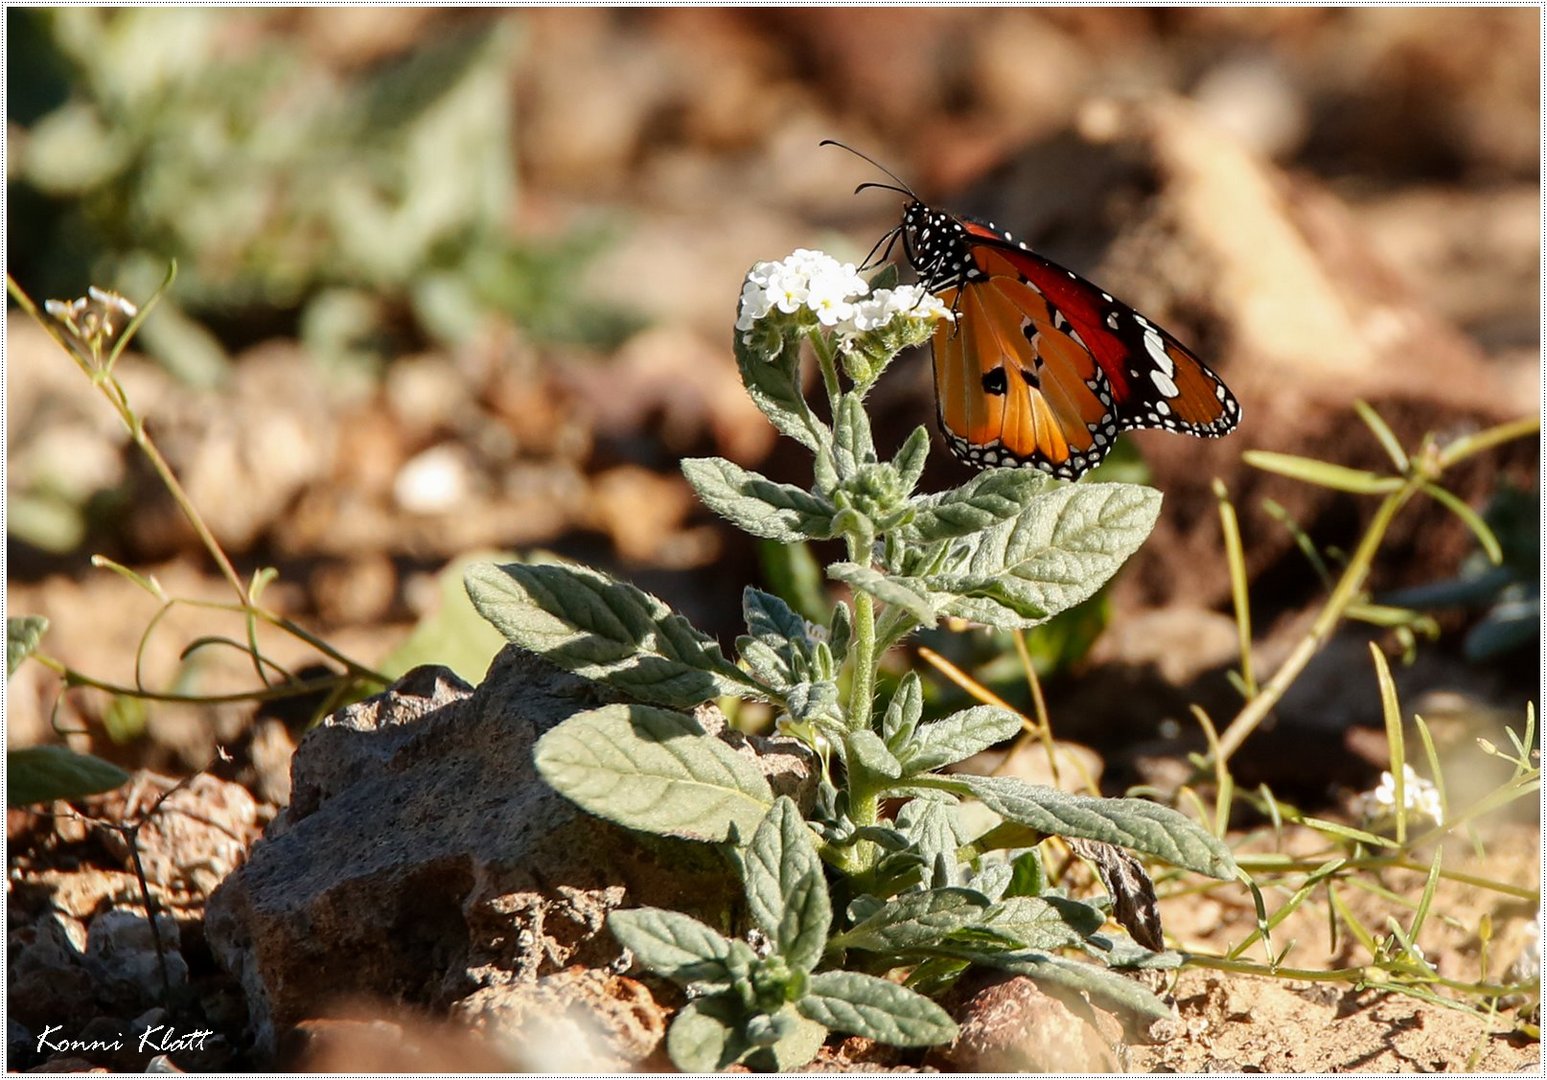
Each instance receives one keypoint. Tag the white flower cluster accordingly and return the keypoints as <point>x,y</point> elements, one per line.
<point>1420,795</point>
<point>832,291</point>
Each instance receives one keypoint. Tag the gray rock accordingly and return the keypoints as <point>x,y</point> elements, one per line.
<point>422,859</point>
<point>122,956</point>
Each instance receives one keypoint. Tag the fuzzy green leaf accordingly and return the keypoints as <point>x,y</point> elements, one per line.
<point>906,593</point>
<point>606,630</point>
<point>779,647</point>
<point>870,752</point>
<point>1055,553</point>
<point>991,878</point>
<point>39,774</point>
<point>653,770</point>
<point>767,665</point>
<point>902,715</point>
<point>910,458</point>
<point>986,612</point>
<point>959,736</point>
<point>1106,988</point>
<point>815,702</point>
<point>851,436</point>
<point>681,948</point>
<point>1042,922</point>
<point>875,1009</point>
<point>990,497</point>
<point>840,631</point>
<point>22,634</point>
<point>786,889</point>
<point>915,920</point>
<point>1131,823</point>
<point>770,619</point>
<point>931,823</point>
<point>756,504</point>
<point>797,1045</point>
<point>706,1035</point>
<point>773,384</point>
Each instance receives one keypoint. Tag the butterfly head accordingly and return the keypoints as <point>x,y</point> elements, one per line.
<point>937,247</point>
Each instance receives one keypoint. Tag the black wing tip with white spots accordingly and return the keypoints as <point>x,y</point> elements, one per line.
<point>1153,417</point>
<point>993,455</point>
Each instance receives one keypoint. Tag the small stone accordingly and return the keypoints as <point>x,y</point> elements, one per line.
<point>1011,1025</point>
<point>121,953</point>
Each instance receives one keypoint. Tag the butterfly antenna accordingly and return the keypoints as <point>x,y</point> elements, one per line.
<point>903,189</point>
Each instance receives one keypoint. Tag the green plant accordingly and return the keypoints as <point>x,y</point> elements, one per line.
<point>94,330</point>
<point>367,192</point>
<point>771,1009</point>
<point>953,876</point>
<point>1504,579</point>
<point>1394,851</point>
<point>1419,472</point>
<point>39,774</point>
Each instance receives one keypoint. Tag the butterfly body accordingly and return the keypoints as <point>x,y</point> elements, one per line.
<point>1041,368</point>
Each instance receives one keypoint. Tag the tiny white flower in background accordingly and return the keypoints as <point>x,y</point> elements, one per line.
<point>100,314</point>
<point>1420,796</point>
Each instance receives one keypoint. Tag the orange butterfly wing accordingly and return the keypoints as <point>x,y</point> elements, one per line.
<point>1043,368</point>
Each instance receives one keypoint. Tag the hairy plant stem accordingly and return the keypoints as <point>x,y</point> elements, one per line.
<point>864,803</point>
<point>864,654</point>
<point>829,365</point>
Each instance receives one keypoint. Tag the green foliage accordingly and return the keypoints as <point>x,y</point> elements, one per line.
<point>935,888</point>
<point>286,185</point>
<point>1503,578</point>
<point>772,1011</point>
<point>655,771</point>
<point>40,774</point>
<point>605,630</point>
<point>22,634</point>
<point>44,773</point>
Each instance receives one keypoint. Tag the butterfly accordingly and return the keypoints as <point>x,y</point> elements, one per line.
<point>1041,368</point>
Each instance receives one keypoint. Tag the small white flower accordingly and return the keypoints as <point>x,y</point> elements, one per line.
<point>1419,795</point>
<point>1527,968</point>
<point>92,322</point>
<point>785,291</point>
<point>809,280</point>
<point>829,297</point>
<point>755,303</point>
<point>884,306</point>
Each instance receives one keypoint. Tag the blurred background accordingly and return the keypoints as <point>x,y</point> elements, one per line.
<point>460,281</point>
